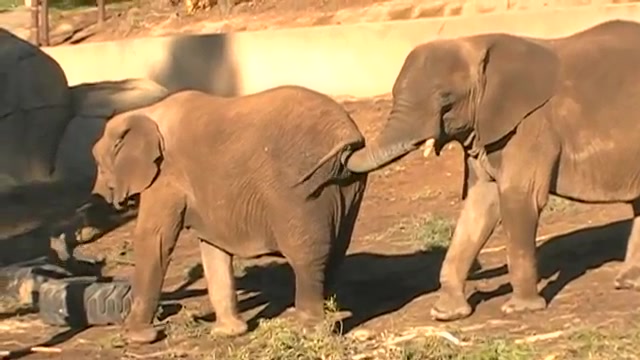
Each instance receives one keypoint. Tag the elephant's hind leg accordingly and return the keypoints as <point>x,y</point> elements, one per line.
<point>218,270</point>
<point>476,223</point>
<point>629,275</point>
<point>307,248</point>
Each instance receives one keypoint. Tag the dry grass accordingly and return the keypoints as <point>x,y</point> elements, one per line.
<point>434,232</point>
<point>283,339</point>
<point>595,344</point>
<point>279,339</point>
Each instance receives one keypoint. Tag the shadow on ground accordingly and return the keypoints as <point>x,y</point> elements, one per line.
<point>569,256</point>
<point>373,285</point>
<point>31,215</point>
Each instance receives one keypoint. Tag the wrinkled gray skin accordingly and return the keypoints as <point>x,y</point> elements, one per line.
<point>535,117</point>
<point>36,106</point>
<point>250,176</point>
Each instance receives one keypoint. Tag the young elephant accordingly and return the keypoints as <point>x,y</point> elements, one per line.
<point>535,116</point>
<point>251,175</point>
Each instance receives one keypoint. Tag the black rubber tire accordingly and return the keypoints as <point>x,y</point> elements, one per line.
<point>83,301</point>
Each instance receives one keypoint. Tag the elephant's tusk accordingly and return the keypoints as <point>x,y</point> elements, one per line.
<point>428,147</point>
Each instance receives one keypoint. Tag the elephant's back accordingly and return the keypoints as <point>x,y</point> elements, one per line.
<point>276,134</point>
<point>283,132</point>
<point>299,110</point>
<point>615,36</point>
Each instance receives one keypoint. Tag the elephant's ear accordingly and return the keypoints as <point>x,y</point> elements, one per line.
<point>518,76</point>
<point>136,148</point>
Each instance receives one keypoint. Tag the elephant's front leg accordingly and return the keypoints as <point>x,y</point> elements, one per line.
<point>476,223</point>
<point>218,270</point>
<point>157,230</point>
<point>629,275</point>
<point>525,177</point>
<point>520,214</point>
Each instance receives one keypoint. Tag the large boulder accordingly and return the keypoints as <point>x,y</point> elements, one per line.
<point>93,105</point>
<point>35,107</point>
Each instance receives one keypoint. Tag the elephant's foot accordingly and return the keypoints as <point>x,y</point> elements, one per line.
<point>308,317</point>
<point>450,307</point>
<point>628,278</point>
<point>306,320</point>
<point>229,327</point>
<point>520,304</point>
<point>142,334</point>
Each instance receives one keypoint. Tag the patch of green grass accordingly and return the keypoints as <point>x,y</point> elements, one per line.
<point>434,232</point>
<point>434,348</point>
<point>602,344</point>
<point>278,339</point>
<point>429,232</point>
<point>593,344</point>
<point>283,339</point>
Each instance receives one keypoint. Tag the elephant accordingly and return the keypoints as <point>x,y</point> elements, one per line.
<point>37,106</point>
<point>249,176</point>
<point>535,117</point>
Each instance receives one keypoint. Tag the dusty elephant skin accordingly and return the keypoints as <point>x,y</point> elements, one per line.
<point>250,176</point>
<point>535,117</point>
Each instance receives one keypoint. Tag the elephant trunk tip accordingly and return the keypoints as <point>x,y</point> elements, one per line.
<point>374,157</point>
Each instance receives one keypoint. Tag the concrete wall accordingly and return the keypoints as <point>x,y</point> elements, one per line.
<point>356,60</point>
<point>352,60</point>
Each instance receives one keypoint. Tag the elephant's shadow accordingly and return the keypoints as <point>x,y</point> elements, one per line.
<point>570,256</point>
<point>372,285</point>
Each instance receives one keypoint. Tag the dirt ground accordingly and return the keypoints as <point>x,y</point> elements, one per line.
<point>389,279</point>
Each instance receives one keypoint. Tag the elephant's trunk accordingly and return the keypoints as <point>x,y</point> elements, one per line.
<point>398,138</point>
<point>375,156</point>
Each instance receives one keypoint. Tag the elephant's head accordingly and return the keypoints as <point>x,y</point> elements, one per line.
<point>447,89</point>
<point>128,157</point>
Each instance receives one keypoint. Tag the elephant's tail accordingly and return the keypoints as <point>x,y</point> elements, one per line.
<point>107,98</point>
<point>340,148</point>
